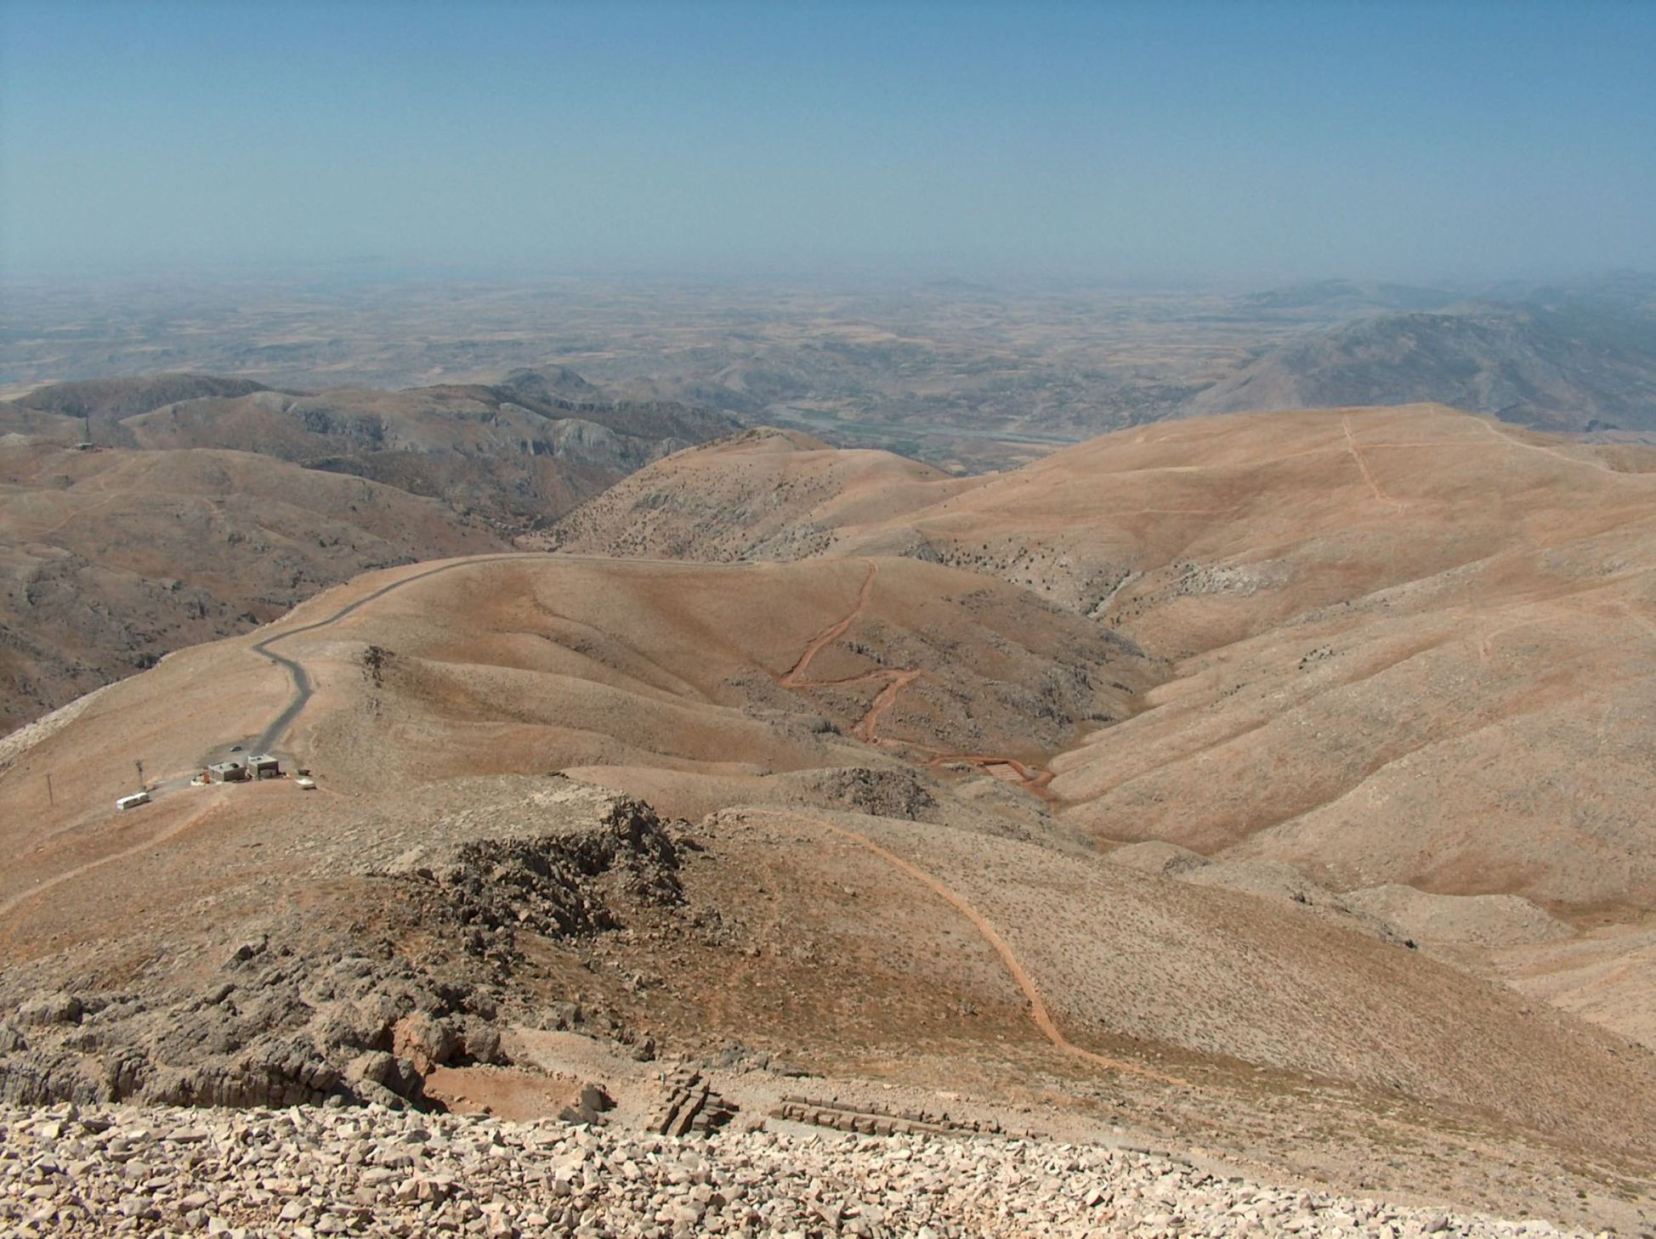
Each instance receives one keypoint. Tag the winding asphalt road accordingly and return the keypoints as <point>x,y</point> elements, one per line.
<point>272,734</point>
<point>302,686</point>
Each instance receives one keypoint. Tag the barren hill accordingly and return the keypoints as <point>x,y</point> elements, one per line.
<point>869,893</point>
<point>1406,645</point>
<point>1268,781</point>
<point>764,494</point>
<point>104,402</point>
<point>517,453</point>
<point>130,552</point>
<point>113,558</point>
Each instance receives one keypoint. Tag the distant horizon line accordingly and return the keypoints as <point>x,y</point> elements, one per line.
<point>369,270</point>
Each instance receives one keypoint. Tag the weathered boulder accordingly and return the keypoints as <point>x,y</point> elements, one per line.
<point>425,1041</point>
<point>51,1009</point>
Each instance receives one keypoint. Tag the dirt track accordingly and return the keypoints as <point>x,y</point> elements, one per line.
<point>1038,1009</point>
<point>836,630</point>
<point>1351,446</point>
<point>866,729</point>
<point>897,679</point>
<point>68,875</point>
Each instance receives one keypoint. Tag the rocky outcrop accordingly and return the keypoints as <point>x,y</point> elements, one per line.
<point>282,1024</point>
<point>894,791</point>
<point>566,883</point>
<point>272,1028</point>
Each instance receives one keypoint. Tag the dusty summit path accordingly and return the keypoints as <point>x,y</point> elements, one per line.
<point>795,674</point>
<point>1039,1012</point>
<point>1362,465</point>
<point>1032,781</point>
<point>166,834</point>
<point>897,679</point>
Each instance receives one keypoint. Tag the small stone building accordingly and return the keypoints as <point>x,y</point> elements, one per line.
<point>264,766</point>
<point>231,771</point>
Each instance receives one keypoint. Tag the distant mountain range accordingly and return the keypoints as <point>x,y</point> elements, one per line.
<point>1341,296</point>
<point>1543,368</point>
<point>1573,357</point>
<point>518,453</point>
<point>969,377</point>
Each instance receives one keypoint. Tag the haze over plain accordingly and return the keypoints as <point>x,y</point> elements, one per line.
<point>1196,141</point>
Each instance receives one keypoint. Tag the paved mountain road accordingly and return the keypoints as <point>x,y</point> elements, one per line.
<point>302,685</point>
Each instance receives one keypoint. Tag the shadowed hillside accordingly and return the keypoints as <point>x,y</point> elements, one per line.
<point>113,558</point>
<point>516,453</point>
<point>1574,367</point>
<point>207,505</point>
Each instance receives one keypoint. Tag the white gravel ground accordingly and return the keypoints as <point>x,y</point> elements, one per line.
<point>308,1172</point>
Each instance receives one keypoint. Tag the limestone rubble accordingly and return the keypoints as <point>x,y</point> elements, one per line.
<point>328,1171</point>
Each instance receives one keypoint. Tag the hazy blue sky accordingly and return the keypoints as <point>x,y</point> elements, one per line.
<point>1136,140</point>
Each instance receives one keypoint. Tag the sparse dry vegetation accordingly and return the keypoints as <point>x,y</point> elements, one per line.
<point>1274,640</point>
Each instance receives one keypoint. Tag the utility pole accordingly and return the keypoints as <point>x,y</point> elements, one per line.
<point>140,766</point>
<point>49,799</point>
<point>87,419</point>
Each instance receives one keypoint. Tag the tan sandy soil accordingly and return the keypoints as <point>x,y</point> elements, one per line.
<point>1603,976</point>
<point>1406,645</point>
<point>867,893</point>
<point>109,559</point>
<point>510,1093</point>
